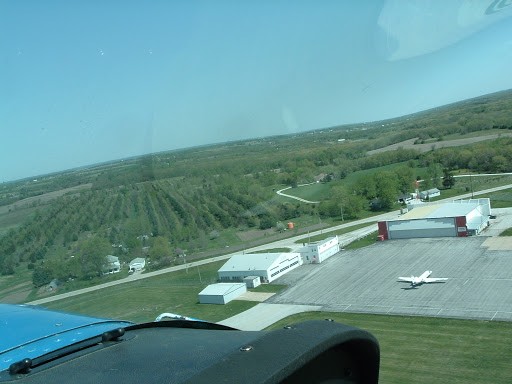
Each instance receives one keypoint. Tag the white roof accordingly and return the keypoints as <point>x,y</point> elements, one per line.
<point>138,260</point>
<point>112,259</point>
<point>221,288</point>
<point>251,261</point>
<point>316,244</point>
<point>433,211</point>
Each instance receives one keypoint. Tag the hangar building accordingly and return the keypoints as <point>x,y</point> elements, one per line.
<point>320,251</point>
<point>459,218</point>
<point>268,266</point>
<point>221,293</point>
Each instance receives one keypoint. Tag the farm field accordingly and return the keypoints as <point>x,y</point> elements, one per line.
<point>452,142</point>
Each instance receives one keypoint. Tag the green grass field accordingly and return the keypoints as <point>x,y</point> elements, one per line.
<point>432,350</point>
<point>328,233</point>
<point>312,192</point>
<point>506,232</point>
<point>144,300</point>
<point>413,349</point>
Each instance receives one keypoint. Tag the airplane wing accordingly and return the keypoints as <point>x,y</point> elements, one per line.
<point>435,279</point>
<point>408,279</point>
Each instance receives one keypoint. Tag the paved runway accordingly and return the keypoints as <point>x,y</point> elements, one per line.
<point>264,315</point>
<point>365,280</point>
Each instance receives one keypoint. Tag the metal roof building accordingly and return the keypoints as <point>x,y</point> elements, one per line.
<point>221,293</point>
<point>459,218</point>
<point>268,266</point>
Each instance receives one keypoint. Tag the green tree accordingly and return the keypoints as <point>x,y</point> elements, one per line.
<point>366,187</point>
<point>266,221</point>
<point>352,206</point>
<point>387,189</point>
<point>448,179</point>
<point>42,275</point>
<point>160,249</point>
<point>405,179</point>
<point>434,172</point>
<point>92,257</point>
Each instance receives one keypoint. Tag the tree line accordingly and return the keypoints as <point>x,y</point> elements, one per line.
<point>154,205</point>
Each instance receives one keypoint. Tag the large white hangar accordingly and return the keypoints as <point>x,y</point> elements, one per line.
<point>268,266</point>
<point>459,218</point>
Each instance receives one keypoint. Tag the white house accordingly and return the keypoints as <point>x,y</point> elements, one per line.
<point>268,266</point>
<point>434,192</point>
<point>137,264</point>
<point>320,251</point>
<point>112,265</point>
<point>221,293</point>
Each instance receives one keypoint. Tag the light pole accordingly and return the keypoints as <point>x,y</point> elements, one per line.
<point>199,273</point>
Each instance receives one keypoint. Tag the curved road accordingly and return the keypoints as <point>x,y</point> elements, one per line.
<point>280,193</point>
<point>285,243</point>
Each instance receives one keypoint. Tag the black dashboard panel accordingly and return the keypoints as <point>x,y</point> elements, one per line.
<point>196,352</point>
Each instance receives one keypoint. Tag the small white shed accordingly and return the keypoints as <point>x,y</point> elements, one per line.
<point>252,281</point>
<point>221,293</point>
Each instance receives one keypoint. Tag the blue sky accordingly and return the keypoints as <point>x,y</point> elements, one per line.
<point>88,81</point>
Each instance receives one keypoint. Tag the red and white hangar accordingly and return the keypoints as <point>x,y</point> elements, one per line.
<point>458,218</point>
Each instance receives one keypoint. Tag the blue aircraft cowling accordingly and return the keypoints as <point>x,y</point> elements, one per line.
<point>29,331</point>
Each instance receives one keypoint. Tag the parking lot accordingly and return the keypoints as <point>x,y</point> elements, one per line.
<point>365,280</point>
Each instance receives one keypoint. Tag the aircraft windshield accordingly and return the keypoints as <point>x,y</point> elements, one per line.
<point>151,148</point>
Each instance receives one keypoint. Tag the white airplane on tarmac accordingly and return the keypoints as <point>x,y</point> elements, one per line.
<point>423,278</point>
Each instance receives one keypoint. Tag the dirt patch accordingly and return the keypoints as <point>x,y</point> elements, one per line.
<point>498,243</point>
<point>409,144</point>
<point>16,294</point>
<point>43,198</point>
<point>255,296</point>
<point>17,287</point>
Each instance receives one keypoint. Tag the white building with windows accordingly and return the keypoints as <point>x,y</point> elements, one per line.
<point>315,253</point>
<point>268,266</point>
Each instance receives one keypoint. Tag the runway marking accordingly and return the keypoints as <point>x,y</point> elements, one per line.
<point>465,282</point>
<point>439,312</point>
<point>494,315</point>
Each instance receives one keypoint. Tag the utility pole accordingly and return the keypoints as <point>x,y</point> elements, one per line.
<point>199,273</point>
